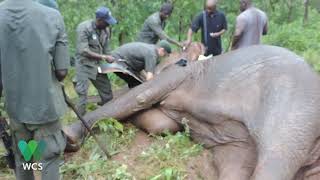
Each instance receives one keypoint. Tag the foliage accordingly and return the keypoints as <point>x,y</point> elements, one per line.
<point>285,18</point>
<point>168,158</point>
<point>92,164</point>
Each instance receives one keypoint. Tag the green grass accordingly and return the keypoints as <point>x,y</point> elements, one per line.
<point>90,162</point>
<point>166,159</point>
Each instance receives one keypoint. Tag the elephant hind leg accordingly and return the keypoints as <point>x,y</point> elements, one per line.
<point>235,161</point>
<point>313,173</point>
<point>280,157</point>
<point>311,170</point>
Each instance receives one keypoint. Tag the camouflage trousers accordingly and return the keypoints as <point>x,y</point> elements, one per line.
<point>101,83</point>
<point>52,157</point>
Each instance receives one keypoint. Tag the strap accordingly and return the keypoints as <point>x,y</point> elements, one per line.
<point>205,30</point>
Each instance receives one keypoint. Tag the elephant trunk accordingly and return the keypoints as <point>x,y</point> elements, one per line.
<point>139,98</point>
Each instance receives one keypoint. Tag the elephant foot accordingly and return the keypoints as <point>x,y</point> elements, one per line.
<point>75,134</point>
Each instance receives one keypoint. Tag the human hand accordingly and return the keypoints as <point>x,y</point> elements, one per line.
<point>108,58</point>
<point>149,76</point>
<point>214,35</point>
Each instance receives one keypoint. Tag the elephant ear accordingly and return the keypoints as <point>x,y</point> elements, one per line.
<point>105,68</point>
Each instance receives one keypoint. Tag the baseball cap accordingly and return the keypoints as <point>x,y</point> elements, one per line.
<point>166,46</point>
<point>105,13</point>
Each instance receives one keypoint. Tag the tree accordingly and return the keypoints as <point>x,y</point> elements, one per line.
<point>306,11</point>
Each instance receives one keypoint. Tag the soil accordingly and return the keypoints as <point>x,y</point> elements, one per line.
<point>199,167</point>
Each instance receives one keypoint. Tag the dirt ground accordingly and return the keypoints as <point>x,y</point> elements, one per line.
<point>199,167</point>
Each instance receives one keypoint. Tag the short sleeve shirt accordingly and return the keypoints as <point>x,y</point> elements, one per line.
<point>139,56</point>
<point>252,22</point>
<point>215,23</point>
<point>38,46</point>
<point>89,38</point>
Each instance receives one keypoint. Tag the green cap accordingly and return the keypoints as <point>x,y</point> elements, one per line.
<point>165,45</point>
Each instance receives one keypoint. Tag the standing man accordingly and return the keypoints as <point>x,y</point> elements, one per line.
<point>213,25</point>
<point>251,24</point>
<point>92,46</point>
<point>34,58</point>
<point>153,28</point>
<point>140,56</point>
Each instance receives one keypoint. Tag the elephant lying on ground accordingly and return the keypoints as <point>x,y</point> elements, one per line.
<point>257,108</point>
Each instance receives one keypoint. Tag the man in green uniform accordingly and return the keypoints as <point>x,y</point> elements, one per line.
<point>92,47</point>
<point>153,27</point>
<point>138,56</point>
<point>34,58</point>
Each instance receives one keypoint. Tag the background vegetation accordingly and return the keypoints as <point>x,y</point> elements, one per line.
<point>294,24</point>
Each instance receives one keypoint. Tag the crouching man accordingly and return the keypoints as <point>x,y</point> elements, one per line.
<point>138,56</point>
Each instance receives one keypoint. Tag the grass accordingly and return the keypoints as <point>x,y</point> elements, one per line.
<point>165,158</point>
<point>90,163</point>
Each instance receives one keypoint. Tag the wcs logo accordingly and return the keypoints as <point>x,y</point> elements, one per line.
<point>32,149</point>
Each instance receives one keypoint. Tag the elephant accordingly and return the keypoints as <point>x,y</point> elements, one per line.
<point>256,108</point>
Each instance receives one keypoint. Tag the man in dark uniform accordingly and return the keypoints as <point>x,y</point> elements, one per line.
<point>213,25</point>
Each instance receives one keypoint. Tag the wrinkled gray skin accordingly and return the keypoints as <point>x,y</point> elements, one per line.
<point>257,108</point>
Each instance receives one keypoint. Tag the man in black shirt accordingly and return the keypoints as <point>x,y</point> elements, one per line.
<point>213,24</point>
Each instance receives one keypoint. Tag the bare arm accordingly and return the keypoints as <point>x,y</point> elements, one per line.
<point>92,55</point>
<point>162,35</point>
<point>265,29</point>
<point>240,26</point>
<point>195,26</point>
<point>189,36</point>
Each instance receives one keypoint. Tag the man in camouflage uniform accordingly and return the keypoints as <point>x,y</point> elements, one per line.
<point>34,58</point>
<point>153,27</point>
<point>92,47</point>
<point>140,56</point>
